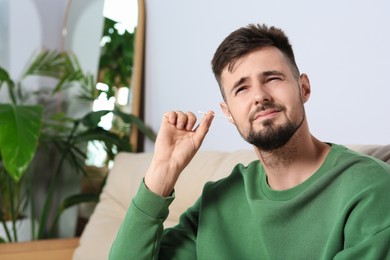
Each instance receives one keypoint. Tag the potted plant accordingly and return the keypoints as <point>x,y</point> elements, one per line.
<point>25,126</point>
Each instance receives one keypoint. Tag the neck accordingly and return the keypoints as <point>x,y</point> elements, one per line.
<point>293,163</point>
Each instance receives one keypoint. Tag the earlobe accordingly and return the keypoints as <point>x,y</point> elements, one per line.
<point>226,111</point>
<point>305,87</point>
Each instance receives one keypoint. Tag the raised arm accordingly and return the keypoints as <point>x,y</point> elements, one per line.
<point>177,143</point>
<point>178,140</point>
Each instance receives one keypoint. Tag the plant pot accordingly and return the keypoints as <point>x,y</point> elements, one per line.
<point>23,230</point>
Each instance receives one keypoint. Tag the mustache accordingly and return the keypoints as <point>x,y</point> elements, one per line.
<point>263,107</point>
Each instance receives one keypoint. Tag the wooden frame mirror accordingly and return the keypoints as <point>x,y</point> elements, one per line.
<point>138,73</point>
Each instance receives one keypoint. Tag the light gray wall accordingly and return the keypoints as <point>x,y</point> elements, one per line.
<point>4,32</point>
<point>30,25</point>
<point>4,43</point>
<point>341,45</point>
<point>33,24</point>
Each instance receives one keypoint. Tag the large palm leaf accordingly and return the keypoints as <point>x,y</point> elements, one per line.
<point>20,127</point>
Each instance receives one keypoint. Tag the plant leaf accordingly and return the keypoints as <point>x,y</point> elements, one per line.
<point>78,199</point>
<point>5,78</point>
<point>46,63</point>
<point>20,128</point>
<point>132,119</point>
<point>73,201</point>
<point>92,119</point>
<point>99,134</point>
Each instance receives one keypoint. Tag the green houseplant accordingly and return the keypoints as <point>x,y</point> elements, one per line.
<point>25,126</point>
<point>116,58</point>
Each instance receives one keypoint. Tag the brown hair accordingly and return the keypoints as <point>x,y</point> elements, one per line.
<point>247,39</point>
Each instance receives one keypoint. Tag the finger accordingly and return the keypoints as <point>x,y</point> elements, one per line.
<point>181,120</point>
<point>191,120</point>
<point>204,126</point>
<point>171,117</point>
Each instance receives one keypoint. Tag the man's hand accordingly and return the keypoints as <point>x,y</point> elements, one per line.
<point>177,143</point>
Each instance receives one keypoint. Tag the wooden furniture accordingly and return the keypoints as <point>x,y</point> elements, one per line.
<point>138,75</point>
<point>58,249</point>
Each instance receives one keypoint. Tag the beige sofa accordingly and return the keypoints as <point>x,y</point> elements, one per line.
<point>125,178</point>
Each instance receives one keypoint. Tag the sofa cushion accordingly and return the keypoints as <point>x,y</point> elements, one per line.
<point>128,172</point>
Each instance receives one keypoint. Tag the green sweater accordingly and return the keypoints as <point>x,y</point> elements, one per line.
<point>341,212</point>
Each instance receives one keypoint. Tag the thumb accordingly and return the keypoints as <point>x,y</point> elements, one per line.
<point>203,128</point>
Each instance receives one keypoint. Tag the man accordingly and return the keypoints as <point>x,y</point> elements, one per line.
<point>303,199</point>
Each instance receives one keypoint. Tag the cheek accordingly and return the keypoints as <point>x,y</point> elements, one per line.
<point>240,103</point>
<point>296,110</point>
<point>242,127</point>
<point>239,112</point>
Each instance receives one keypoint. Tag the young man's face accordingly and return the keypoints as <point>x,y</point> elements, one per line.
<point>264,99</point>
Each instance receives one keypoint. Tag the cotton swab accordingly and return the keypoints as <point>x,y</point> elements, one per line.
<point>222,116</point>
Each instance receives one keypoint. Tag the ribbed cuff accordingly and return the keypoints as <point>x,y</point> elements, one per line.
<point>152,204</point>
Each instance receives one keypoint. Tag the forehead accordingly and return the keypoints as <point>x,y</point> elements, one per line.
<point>260,60</point>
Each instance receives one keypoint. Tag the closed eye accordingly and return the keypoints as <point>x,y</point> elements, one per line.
<point>271,76</point>
<point>273,79</point>
<point>240,89</point>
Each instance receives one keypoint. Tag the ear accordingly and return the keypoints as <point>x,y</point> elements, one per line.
<point>305,87</point>
<point>226,111</point>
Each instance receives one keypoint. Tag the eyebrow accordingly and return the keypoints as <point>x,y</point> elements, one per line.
<point>238,82</point>
<point>272,73</point>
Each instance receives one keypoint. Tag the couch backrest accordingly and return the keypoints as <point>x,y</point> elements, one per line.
<point>126,176</point>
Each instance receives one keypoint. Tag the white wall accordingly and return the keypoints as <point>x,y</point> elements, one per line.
<point>33,24</point>
<point>341,45</point>
<point>4,32</point>
<point>26,26</point>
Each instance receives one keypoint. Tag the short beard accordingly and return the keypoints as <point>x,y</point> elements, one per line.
<point>273,137</point>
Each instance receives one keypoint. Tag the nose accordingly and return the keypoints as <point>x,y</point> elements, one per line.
<point>261,95</point>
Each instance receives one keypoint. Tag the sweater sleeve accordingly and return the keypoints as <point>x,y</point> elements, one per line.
<point>375,247</point>
<point>367,229</point>
<point>179,242</point>
<point>140,233</point>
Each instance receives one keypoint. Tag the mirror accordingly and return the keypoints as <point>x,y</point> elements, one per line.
<point>124,29</point>
<point>128,20</point>
<point>138,73</point>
